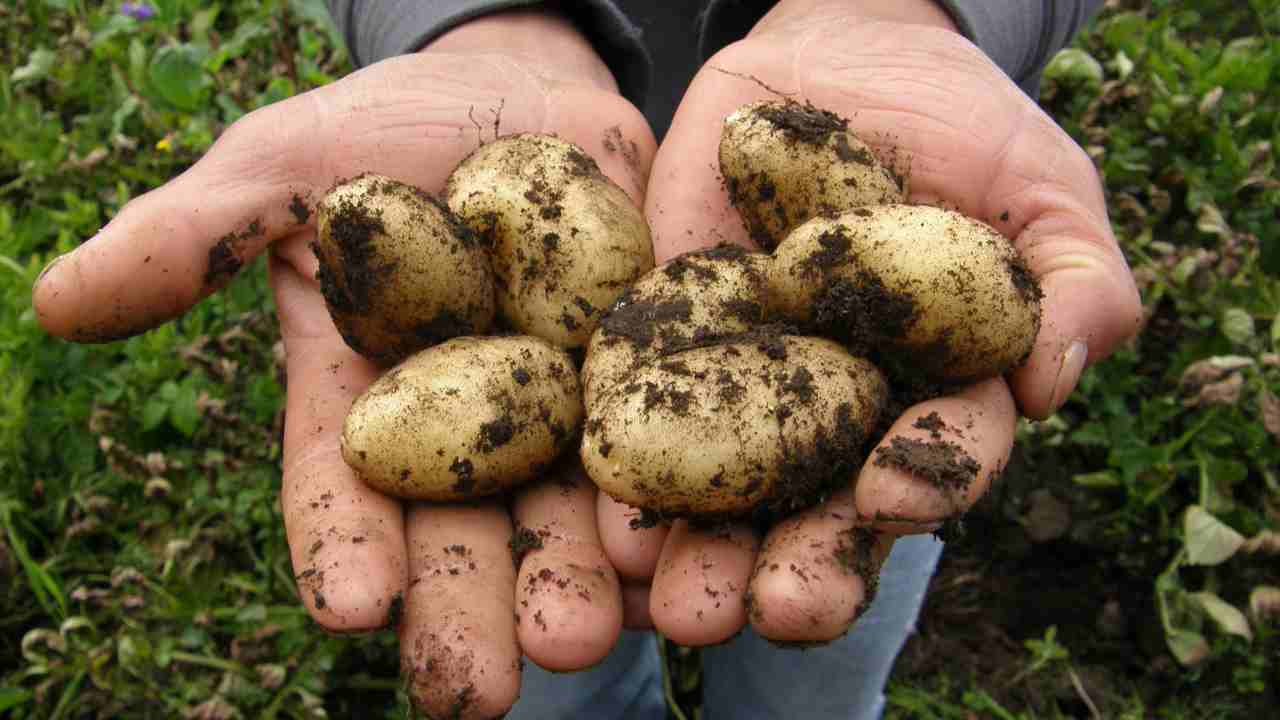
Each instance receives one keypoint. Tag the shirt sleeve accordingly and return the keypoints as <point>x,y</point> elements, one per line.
<point>1020,36</point>
<point>378,29</point>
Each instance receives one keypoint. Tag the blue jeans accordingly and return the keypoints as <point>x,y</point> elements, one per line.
<point>748,678</point>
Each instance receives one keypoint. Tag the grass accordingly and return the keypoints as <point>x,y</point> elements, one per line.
<point>143,568</point>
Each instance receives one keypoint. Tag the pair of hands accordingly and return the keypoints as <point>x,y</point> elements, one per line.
<point>904,78</point>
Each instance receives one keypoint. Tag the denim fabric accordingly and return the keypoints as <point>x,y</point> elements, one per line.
<point>748,678</point>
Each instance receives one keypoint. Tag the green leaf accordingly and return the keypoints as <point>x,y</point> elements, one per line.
<point>39,63</point>
<point>1100,479</point>
<point>177,73</point>
<point>1275,332</point>
<point>12,697</point>
<point>202,21</point>
<point>1237,325</point>
<point>1074,65</point>
<point>1227,616</point>
<point>254,614</point>
<point>185,412</point>
<point>153,412</point>
<point>1209,541</point>
<point>1190,648</point>
<point>122,113</point>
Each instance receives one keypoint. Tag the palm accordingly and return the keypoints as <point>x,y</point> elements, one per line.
<point>934,107</point>
<point>363,560</point>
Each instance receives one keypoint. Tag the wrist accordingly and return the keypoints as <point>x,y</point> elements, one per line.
<point>789,14</point>
<point>539,39</point>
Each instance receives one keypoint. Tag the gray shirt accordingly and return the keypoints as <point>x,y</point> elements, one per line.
<point>654,48</point>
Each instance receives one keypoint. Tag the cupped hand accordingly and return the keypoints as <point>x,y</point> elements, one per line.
<point>364,560</point>
<point>935,108</point>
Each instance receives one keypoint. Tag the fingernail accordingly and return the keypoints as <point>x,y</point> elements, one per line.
<point>1069,370</point>
<point>49,267</point>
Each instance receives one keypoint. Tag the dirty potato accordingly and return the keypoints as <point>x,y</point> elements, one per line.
<point>696,298</point>
<point>947,294</point>
<point>398,272</point>
<point>784,162</point>
<point>724,429</point>
<point>565,240</point>
<point>466,418</point>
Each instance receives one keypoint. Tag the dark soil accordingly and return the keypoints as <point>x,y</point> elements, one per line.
<point>226,255</point>
<point>523,542</point>
<point>299,209</point>
<point>803,123</point>
<point>943,463</point>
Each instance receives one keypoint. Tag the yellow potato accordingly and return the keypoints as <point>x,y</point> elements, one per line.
<point>784,163</point>
<point>466,418</point>
<point>725,428</point>
<point>565,240</point>
<point>397,270</point>
<point>693,299</point>
<point>948,295</point>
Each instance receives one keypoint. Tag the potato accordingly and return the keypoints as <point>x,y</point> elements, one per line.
<point>566,241</point>
<point>466,418</point>
<point>693,299</point>
<point>397,270</point>
<point>725,428</point>
<point>948,294</point>
<point>784,163</point>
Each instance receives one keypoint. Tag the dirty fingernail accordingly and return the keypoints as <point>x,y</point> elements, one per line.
<point>1069,371</point>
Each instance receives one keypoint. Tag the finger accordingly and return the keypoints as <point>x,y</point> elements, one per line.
<point>635,606</point>
<point>458,643</point>
<point>632,547</point>
<point>937,459</point>
<point>816,573</point>
<point>346,540</point>
<point>962,133</point>
<point>699,590</point>
<point>410,118</point>
<point>569,603</point>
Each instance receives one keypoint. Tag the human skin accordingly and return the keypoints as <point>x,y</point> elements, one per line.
<point>466,613</point>
<point>932,104</point>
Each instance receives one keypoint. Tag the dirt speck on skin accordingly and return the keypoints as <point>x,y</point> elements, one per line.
<point>440,676</point>
<point>395,610</point>
<point>523,542</point>
<point>614,142</point>
<point>225,256</point>
<point>944,464</point>
<point>320,601</point>
<point>932,423</point>
<point>299,209</point>
<point>1024,281</point>
<point>854,554</point>
<point>645,519</point>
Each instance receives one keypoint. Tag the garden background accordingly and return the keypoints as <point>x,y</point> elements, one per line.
<point>1126,566</point>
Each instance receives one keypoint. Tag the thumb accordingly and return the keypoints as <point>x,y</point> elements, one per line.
<point>170,248</point>
<point>1090,305</point>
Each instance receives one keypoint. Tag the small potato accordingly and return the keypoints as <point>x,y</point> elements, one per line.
<point>566,241</point>
<point>694,299</point>
<point>398,272</point>
<point>720,430</point>
<point>948,294</point>
<point>466,418</point>
<point>784,163</point>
